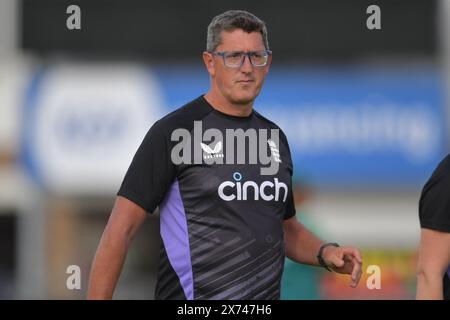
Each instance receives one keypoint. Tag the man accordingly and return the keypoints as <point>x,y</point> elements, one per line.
<point>226,225</point>
<point>433,272</point>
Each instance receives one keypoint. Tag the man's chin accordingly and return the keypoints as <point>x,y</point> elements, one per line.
<point>244,99</point>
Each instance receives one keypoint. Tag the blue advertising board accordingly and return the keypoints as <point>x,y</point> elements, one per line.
<point>347,126</point>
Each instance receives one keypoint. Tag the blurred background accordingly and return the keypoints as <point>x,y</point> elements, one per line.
<point>366,113</point>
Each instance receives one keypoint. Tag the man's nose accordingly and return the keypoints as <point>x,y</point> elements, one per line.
<point>247,65</point>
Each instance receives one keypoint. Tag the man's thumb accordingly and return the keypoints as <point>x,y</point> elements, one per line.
<point>338,262</point>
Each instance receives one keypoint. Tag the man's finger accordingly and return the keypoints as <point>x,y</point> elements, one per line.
<point>358,256</point>
<point>353,252</point>
<point>355,282</point>
<point>356,273</point>
<point>337,261</point>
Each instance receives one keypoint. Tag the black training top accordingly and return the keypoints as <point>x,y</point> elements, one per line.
<point>221,220</point>
<point>434,207</point>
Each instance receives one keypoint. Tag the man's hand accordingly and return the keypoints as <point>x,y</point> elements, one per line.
<point>344,260</point>
<point>302,246</point>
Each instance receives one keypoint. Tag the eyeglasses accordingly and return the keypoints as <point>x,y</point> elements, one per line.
<point>235,59</point>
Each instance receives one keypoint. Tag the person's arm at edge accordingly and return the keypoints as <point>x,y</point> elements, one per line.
<point>126,218</point>
<point>433,261</point>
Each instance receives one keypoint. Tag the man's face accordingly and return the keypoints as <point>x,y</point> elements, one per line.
<point>238,85</point>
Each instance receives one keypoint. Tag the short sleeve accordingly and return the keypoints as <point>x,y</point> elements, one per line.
<point>290,203</point>
<point>151,171</point>
<point>434,204</point>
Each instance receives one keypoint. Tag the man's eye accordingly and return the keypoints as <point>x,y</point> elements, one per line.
<point>235,55</point>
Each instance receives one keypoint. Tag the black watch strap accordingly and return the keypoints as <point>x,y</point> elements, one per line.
<point>319,255</point>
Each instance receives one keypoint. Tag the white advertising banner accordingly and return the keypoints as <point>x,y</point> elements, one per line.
<point>83,124</point>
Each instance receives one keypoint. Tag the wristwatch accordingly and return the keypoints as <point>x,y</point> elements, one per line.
<point>319,255</point>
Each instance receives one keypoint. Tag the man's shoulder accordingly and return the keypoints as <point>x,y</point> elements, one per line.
<point>184,116</point>
<point>444,165</point>
<point>434,200</point>
<point>270,124</point>
<point>440,174</point>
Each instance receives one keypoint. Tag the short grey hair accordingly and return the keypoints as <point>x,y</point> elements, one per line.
<point>232,20</point>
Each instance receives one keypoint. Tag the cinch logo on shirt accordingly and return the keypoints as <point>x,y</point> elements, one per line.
<point>267,190</point>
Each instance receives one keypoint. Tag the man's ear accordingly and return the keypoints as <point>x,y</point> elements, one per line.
<point>209,63</point>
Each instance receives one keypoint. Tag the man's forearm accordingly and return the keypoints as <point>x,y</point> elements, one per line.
<point>107,266</point>
<point>310,244</point>
<point>429,286</point>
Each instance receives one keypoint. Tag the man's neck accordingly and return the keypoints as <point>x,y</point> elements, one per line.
<point>220,103</point>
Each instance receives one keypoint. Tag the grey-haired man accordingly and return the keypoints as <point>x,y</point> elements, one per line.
<point>225,226</point>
